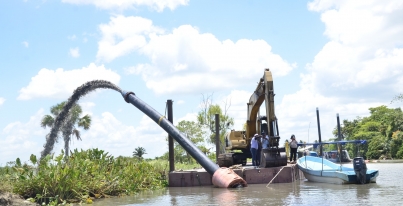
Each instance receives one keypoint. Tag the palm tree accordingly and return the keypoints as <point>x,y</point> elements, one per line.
<point>139,152</point>
<point>68,128</point>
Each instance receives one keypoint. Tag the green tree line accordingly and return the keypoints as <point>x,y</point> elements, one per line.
<point>383,130</point>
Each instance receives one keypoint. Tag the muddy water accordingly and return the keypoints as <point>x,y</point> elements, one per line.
<point>387,191</point>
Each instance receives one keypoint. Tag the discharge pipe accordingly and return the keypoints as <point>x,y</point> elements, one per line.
<point>222,177</point>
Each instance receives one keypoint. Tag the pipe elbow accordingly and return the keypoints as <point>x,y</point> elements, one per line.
<point>227,178</point>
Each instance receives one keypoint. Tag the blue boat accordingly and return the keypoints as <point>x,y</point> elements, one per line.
<point>319,169</point>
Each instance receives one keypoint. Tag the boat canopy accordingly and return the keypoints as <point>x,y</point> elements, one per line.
<point>335,142</point>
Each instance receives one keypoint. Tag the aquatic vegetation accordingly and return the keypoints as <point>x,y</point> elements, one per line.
<point>85,175</point>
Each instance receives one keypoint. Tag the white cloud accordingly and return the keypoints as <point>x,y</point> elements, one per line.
<point>123,35</point>
<point>235,103</point>
<point>25,43</point>
<point>74,52</point>
<point>204,58</point>
<point>60,83</point>
<point>187,117</point>
<point>21,139</point>
<point>2,100</point>
<point>86,107</point>
<point>72,37</point>
<point>158,5</point>
<point>113,136</point>
<point>185,60</point>
<point>365,46</point>
<point>359,68</point>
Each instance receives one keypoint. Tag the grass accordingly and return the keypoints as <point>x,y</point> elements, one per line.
<point>6,185</point>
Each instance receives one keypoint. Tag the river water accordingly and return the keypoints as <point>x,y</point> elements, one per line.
<point>388,190</point>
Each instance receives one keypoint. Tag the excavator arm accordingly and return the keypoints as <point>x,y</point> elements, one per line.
<point>263,92</point>
<point>240,140</point>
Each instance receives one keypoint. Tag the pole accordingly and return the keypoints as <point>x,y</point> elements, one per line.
<point>338,127</point>
<point>340,147</point>
<point>170,139</point>
<point>320,137</point>
<point>217,136</point>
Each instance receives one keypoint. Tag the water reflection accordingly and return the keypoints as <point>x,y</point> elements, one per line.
<point>205,195</point>
<point>362,191</point>
<point>385,192</point>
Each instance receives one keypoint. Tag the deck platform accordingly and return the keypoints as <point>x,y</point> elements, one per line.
<point>199,177</point>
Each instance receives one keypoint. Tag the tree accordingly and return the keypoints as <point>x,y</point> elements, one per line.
<point>396,145</point>
<point>193,132</point>
<point>380,129</point>
<point>68,128</point>
<point>139,152</point>
<point>397,98</point>
<point>348,128</point>
<point>206,118</point>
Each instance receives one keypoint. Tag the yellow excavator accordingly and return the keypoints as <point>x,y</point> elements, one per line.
<point>238,142</point>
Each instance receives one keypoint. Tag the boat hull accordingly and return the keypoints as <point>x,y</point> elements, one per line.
<point>321,170</point>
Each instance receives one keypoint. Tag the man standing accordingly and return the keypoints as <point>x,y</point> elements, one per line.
<point>259,150</point>
<point>265,146</point>
<point>254,145</point>
<point>293,148</point>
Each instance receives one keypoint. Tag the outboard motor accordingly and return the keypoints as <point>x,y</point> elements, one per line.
<point>360,169</point>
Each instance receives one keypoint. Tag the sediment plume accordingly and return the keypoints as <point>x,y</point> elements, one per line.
<point>64,114</point>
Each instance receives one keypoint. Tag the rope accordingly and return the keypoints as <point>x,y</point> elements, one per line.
<point>274,177</point>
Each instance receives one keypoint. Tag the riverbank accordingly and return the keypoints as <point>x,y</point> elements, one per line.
<point>386,161</point>
<point>13,199</point>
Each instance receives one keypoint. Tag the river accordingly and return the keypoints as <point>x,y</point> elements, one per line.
<point>388,190</point>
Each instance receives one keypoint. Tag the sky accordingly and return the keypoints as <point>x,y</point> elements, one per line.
<point>337,56</point>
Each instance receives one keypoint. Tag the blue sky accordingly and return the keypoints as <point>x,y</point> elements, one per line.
<point>340,56</point>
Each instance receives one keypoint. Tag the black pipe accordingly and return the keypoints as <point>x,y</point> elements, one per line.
<point>217,136</point>
<point>170,139</point>
<point>320,137</point>
<point>195,152</point>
